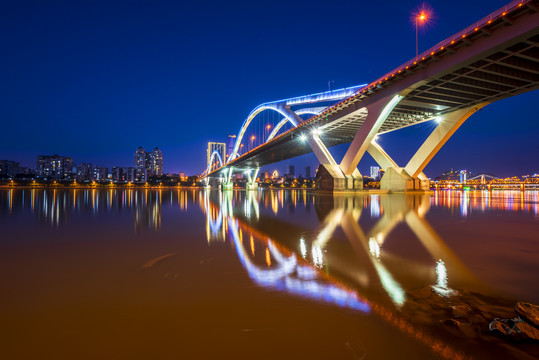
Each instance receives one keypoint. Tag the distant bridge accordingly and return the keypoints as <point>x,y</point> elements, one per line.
<point>494,58</point>
<point>488,182</point>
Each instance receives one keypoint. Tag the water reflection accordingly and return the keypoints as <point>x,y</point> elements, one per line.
<point>469,202</point>
<point>353,252</point>
<point>58,207</point>
<point>309,269</point>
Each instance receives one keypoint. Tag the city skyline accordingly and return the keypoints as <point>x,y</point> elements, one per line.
<point>121,77</point>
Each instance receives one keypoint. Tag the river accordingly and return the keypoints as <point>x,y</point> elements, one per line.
<point>267,274</point>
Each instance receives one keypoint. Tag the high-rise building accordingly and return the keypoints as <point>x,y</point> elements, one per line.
<point>148,164</point>
<point>291,171</point>
<point>101,173</point>
<point>375,170</point>
<point>156,163</point>
<point>231,141</point>
<point>141,173</point>
<point>54,167</point>
<point>123,174</point>
<point>220,148</point>
<point>307,172</point>
<point>85,172</point>
<point>10,168</point>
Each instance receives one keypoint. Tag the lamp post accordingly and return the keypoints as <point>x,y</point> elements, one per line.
<point>268,127</point>
<point>420,18</point>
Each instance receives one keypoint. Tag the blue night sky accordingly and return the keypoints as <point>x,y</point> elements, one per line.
<point>96,79</point>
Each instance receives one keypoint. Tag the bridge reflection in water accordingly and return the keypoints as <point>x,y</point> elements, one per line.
<point>377,256</point>
<point>300,262</point>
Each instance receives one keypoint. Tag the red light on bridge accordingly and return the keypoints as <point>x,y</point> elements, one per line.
<point>503,14</point>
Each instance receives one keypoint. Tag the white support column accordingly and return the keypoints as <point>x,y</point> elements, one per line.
<point>437,139</point>
<point>251,179</point>
<point>320,150</point>
<point>330,175</point>
<point>377,114</point>
<point>380,156</point>
<point>228,184</point>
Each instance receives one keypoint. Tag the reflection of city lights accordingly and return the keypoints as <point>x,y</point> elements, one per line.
<point>441,280</point>
<point>252,240</point>
<point>375,206</point>
<point>303,247</point>
<point>268,257</point>
<point>316,253</point>
<point>374,248</point>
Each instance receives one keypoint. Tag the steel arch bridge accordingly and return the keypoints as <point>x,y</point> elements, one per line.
<point>494,58</point>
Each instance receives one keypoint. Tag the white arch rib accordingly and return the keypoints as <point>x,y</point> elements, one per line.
<point>312,111</point>
<point>214,154</point>
<point>280,108</point>
<point>283,107</point>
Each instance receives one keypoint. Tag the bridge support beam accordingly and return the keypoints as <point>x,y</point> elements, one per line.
<point>329,176</point>
<point>377,114</point>
<point>411,177</point>
<point>226,182</point>
<point>251,180</point>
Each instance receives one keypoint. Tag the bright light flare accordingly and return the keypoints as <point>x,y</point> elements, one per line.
<point>422,15</point>
<point>303,138</point>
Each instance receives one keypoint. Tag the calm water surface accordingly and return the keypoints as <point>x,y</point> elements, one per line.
<point>170,274</point>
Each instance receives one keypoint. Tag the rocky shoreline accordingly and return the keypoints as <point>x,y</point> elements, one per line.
<point>523,327</point>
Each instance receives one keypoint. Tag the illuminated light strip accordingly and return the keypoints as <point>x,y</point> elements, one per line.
<point>213,154</point>
<point>280,107</point>
<point>280,278</point>
<point>313,111</point>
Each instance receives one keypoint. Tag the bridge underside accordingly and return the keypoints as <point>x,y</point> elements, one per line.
<point>497,61</point>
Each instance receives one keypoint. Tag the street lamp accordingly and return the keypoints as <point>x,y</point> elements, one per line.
<point>420,18</point>
<point>268,127</point>
<point>252,141</point>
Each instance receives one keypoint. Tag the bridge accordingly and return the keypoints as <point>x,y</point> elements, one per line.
<point>492,59</point>
<point>487,182</point>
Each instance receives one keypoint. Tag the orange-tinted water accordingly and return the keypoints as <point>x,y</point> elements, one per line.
<point>168,274</point>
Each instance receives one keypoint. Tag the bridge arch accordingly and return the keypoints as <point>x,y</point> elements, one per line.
<point>310,111</point>
<point>214,154</point>
<point>280,108</point>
